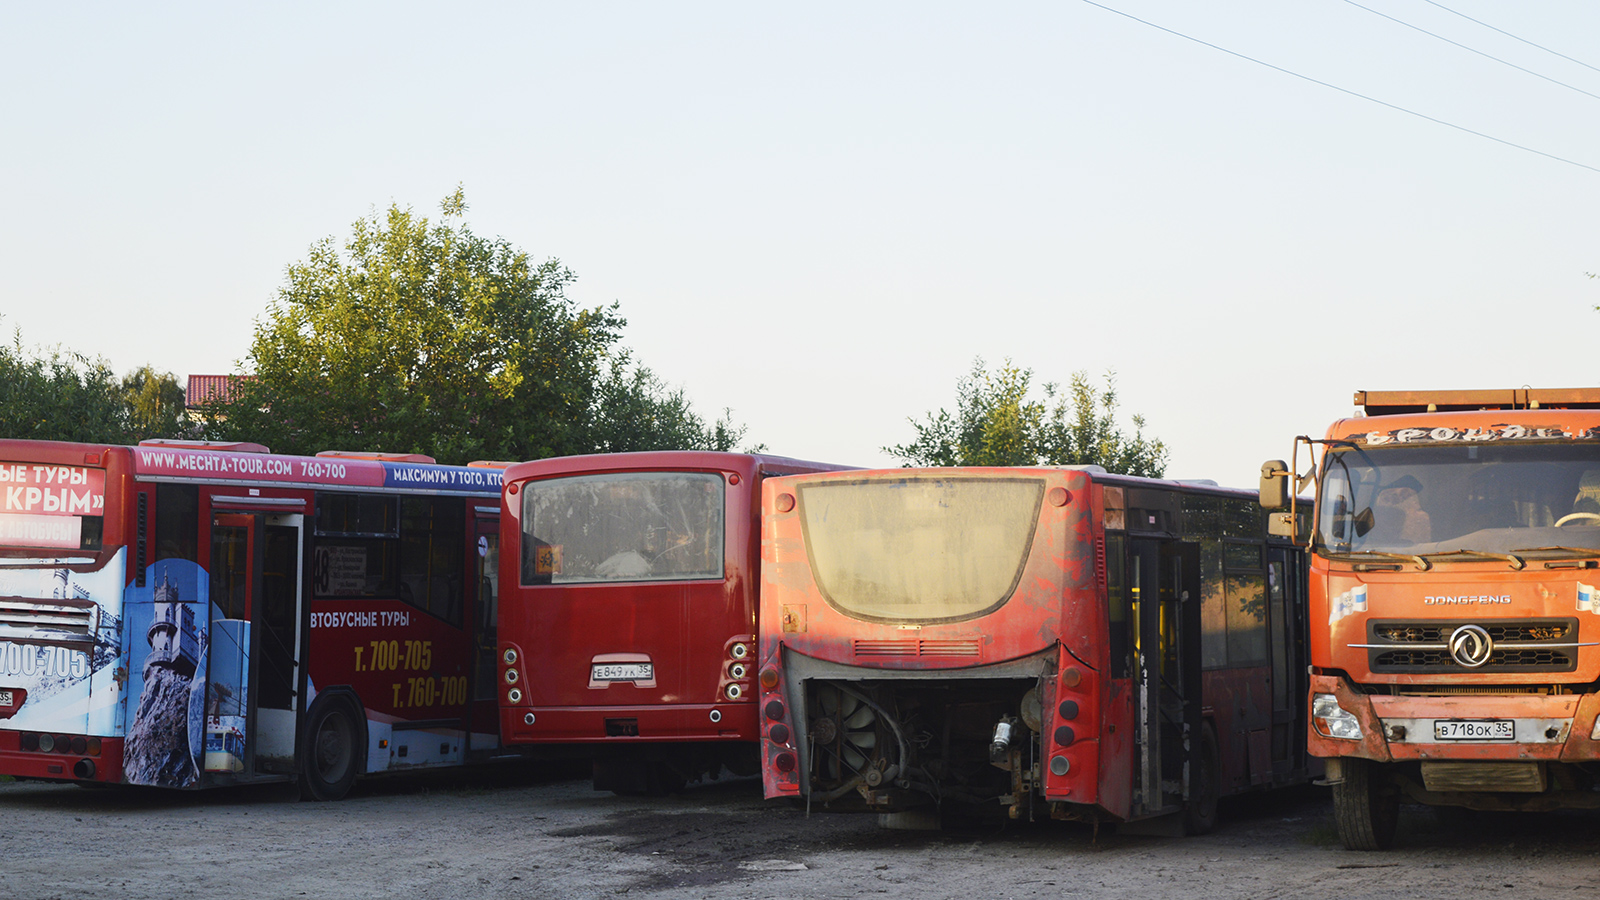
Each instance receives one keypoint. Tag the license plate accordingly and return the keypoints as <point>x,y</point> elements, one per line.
<point>1474,730</point>
<point>623,672</point>
<point>7,699</point>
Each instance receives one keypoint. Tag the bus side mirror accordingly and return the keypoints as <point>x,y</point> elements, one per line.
<point>1274,484</point>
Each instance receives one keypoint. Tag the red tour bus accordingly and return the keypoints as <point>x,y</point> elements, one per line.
<point>1029,642</point>
<point>188,615</point>
<point>629,616</point>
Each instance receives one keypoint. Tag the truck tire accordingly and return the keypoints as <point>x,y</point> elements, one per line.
<point>1365,806</point>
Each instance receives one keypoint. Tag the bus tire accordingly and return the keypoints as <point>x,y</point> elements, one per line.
<point>1200,815</point>
<point>330,752</point>
<point>1365,808</point>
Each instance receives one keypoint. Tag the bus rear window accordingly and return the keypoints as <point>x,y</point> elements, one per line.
<point>628,526</point>
<point>919,549</point>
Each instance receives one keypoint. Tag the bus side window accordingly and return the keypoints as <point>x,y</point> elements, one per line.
<point>1117,607</point>
<point>177,522</point>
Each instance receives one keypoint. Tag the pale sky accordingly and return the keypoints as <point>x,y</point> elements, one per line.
<point>818,216</point>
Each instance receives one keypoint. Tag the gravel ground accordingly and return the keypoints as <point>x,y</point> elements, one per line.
<point>542,832</point>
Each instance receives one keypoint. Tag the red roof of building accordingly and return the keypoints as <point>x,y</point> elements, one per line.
<point>205,389</point>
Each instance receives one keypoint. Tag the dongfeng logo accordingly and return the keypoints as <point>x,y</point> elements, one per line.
<point>1470,646</point>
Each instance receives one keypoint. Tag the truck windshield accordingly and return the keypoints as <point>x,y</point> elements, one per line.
<point>1491,497</point>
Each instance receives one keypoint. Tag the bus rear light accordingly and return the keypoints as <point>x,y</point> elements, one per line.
<point>510,656</point>
<point>511,676</point>
<point>716,716</point>
<point>1071,677</point>
<point>514,695</point>
<point>1060,765</point>
<point>784,762</point>
<point>47,743</point>
<point>30,741</point>
<point>79,746</point>
<point>1068,709</point>
<point>529,719</point>
<point>779,733</point>
<point>739,650</point>
<point>737,670</point>
<point>734,692</point>
<point>1332,720</point>
<point>774,710</point>
<point>94,746</point>
<point>1065,735</point>
<point>769,678</point>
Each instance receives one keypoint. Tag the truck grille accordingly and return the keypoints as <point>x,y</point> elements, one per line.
<point>1527,645</point>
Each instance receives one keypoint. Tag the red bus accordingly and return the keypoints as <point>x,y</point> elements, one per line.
<point>1030,642</point>
<point>187,615</point>
<point>629,613</point>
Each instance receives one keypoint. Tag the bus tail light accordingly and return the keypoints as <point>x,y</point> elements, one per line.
<point>514,695</point>
<point>737,671</point>
<point>739,650</point>
<point>734,692</point>
<point>784,762</point>
<point>1332,720</point>
<point>769,678</point>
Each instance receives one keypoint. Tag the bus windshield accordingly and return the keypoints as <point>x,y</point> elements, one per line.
<point>627,526</point>
<point>1489,498</point>
<point>919,549</point>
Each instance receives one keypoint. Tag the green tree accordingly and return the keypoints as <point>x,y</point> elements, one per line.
<point>997,424</point>
<point>57,395</point>
<point>154,402</point>
<point>636,410</point>
<point>423,337</point>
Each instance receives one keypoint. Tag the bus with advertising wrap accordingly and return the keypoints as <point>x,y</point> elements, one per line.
<point>1455,641</point>
<point>629,611</point>
<point>188,615</point>
<point>1027,642</point>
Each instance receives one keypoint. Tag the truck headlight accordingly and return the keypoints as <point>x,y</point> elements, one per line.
<point>1331,720</point>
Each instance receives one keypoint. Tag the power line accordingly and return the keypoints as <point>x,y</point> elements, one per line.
<point>1409,112</point>
<point>1471,50</point>
<point>1510,35</point>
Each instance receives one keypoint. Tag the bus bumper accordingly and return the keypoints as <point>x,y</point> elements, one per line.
<point>21,757</point>
<point>733,721</point>
<point>1467,727</point>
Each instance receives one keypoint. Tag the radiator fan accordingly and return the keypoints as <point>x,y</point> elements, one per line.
<point>846,734</point>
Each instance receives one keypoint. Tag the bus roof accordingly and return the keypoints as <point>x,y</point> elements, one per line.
<point>666,460</point>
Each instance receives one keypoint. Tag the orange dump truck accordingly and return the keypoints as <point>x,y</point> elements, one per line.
<point>1455,613</point>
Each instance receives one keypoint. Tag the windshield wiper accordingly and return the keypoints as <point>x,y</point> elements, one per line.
<point>1517,562</point>
<point>1575,551</point>
<point>1421,562</point>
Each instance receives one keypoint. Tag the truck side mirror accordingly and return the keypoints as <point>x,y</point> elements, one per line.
<point>1274,484</point>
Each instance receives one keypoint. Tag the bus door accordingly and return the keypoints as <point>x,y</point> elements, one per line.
<point>483,714</point>
<point>1164,587</point>
<point>253,695</point>
<point>1286,584</point>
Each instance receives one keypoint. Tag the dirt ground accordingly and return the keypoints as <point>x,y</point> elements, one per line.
<point>542,832</point>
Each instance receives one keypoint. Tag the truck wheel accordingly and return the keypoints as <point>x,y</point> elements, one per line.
<point>1200,815</point>
<point>329,757</point>
<point>1365,807</point>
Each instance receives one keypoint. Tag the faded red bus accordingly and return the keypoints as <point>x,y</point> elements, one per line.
<point>1029,642</point>
<point>189,616</point>
<point>629,612</point>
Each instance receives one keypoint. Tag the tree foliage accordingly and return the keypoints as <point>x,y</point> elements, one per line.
<point>423,337</point>
<point>997,423</point>
<point>57,395</point>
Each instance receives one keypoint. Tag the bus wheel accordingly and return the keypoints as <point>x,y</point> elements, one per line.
<point>329,754</point>
<point>1200,816</point>
<point>1364,807</point>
